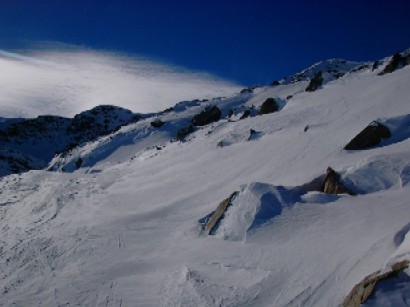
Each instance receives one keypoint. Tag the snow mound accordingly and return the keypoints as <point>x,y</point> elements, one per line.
<point>378,173</point>
<point>255,205</point>
<point>233,138</point>
<point>399,127</point>
<point>187,287</point>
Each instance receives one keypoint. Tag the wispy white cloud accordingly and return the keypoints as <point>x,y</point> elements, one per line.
<point>67,81</point>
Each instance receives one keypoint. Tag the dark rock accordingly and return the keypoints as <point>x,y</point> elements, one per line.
<point>247,91</point>
<point>245,114</point>
<point>370,136</point>
<point>306,128</point>
<point>252,133</point>
<point>359,68</point>
<point>219,213</point>
<point>269,106</point>
<point>375,65</point>
<point>362,291</point>
<point>157,123</point>
<point>230,113</point>
<point>79,162</point>
<point>275,83</point>
<point>208,115</point>
<point>289,97</point>
<point>394,63</point>
<point>184,132</point>
<point>407,60</point>
<point>315,82</point>
<point>168,110</point>
<point>332,183</point>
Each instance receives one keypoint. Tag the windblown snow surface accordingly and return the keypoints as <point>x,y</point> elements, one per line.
<point>123,229</point>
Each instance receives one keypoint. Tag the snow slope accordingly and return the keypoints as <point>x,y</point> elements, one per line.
<point>122,230</point>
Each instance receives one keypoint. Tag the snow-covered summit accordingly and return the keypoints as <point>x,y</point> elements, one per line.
<point>331,69</point>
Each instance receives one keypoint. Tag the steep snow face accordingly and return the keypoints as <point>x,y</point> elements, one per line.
<point>122,229</point>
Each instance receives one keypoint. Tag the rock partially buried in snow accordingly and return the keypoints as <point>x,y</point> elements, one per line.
<point>362,291</point>
<point>269,106</point>
<point>252,207</point>
<point>219,213</point>
<point>207,116</point>
<point>332,183</point>
<point>370,136</point>
<point>396,62</point>
<point>157,123</point>
<point>315,82</point>
<point>184,132</point>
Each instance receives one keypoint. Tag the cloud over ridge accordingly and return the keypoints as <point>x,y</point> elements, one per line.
<point>66,81</point>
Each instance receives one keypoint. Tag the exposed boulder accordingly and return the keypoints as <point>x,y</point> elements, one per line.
<point>247,91</point>
<point>332,183</point>
<point>275,83</point>
<point>362,291</point>
<point>230,113</point>
<point>370,136</point>
<point>184,132</point>
<point>208,115</point>
<point>79,162</point>
<point>395,62</point>
<point>245,114</point>
<point>315,82</point>
<point>157,123</point>
<point>252,134</point>
<point>218,214</point>
<point>269,106</point>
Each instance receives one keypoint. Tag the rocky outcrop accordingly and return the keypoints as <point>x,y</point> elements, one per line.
<point>397,61</point>
<point>315,82</point>
<point>219,213</point>
<point>50,135</point>
<point>269,106</point>
<point>207,116</point>
<point>245,114</point>
<point>370,136</point>
<point>157,123</point>
<point>332,183</point>
<point>362,291</point>
<point>184,132</point>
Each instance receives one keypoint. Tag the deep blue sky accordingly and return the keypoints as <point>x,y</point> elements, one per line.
<point>250,42</point>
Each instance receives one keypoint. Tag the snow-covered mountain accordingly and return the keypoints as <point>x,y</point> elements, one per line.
<point>222,202</point>
<point>31,143</point>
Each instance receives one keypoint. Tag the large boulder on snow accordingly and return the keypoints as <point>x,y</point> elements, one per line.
<point>396,62</point>
<point>184,132</point>
<point>370,136</point>
<point>207,116</point>
<point>219,213</point>
<point>362,291</point>
<point>315,82</point>
<point>252,207</point>
<point>332,183</point>
<point>157,123</point>
<point>269,106</point>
